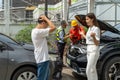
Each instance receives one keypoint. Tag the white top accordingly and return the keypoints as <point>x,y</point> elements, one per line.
<point>89,39</point>
<point>40,44</point>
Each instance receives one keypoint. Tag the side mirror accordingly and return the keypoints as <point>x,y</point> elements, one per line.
<point>21,43</point>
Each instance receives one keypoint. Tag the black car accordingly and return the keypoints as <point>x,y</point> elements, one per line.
<point>17,60</point>
<point>108,65</point>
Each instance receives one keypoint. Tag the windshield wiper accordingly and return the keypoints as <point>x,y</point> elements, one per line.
<point>12,43</point>
<point>118,38</point>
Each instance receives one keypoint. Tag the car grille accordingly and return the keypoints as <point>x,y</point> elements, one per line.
<point>78,69</point>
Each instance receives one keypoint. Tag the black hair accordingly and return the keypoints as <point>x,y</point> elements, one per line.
<point>40,20</point>
<point>63,22</point>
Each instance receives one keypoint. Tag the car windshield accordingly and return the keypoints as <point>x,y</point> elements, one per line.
<point>7,39</point>
<point>117,27</point>
<point>111,34</point>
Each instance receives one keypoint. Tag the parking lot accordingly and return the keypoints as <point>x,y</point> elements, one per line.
<point>68,75</point>
<point>67,72</point>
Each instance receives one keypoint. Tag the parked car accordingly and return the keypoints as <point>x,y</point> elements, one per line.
<point>108,65</point>
<point>17,60</point>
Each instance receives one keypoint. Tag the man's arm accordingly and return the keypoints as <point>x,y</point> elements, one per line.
<point>51,25</point>
<point>67,36</point>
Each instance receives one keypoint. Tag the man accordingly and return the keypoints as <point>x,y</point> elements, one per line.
<point>61,38</point>
<point>38,35</point>
<point>75,35</point>
<point>61,41</point>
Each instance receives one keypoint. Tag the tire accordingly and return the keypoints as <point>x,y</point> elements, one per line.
<point>25,73</point>
<point>111,70</point>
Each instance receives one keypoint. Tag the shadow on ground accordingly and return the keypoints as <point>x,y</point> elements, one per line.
<point>67,77</point>
<point>68,74</point>
<point>78,77</point>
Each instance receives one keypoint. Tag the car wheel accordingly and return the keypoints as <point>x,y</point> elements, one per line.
<point>25,73</point>
<point>111,70</point>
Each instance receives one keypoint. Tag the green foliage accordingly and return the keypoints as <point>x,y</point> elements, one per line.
<point>25,34</point>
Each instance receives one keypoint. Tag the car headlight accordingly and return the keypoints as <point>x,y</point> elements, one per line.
<point>75,50</point>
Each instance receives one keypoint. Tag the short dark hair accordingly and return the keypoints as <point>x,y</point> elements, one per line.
<point>40,20</point>
<point>63,22</point>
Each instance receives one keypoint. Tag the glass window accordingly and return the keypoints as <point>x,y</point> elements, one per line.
<point>2,46</point>
<point>29,14</point>
<point>110,34</point>
<point>7,39</point>
<point>117,27</point>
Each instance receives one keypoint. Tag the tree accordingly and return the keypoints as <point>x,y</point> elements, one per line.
<point>25,34</point>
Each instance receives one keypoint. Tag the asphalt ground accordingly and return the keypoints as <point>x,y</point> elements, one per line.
<point>67,74</point>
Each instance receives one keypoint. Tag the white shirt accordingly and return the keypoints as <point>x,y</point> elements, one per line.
<point>40,44</point>
<point>89,39</point>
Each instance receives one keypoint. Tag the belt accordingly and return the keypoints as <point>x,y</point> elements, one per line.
<point>90,44</point>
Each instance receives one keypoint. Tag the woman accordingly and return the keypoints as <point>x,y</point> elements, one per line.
<point>92,41</point>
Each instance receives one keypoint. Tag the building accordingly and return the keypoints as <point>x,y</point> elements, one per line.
<point>107,10</point>
<point>54,11</point>
<point>22,10</point>
<point>24,3</point>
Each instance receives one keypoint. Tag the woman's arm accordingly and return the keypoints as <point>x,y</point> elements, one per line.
<point>94,39</point>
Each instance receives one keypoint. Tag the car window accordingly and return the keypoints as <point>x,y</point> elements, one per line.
<point>111,34</point>
<point>2,45</point>
<point>117,27</point>
<point>7,39</point>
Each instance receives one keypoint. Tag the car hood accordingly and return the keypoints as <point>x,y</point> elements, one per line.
<point>29,47</point>
<point>103,25</point>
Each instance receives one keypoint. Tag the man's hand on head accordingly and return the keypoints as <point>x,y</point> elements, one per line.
<point>43,17</point>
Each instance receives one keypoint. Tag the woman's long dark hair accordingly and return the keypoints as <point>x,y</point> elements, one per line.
<point>92,16</point>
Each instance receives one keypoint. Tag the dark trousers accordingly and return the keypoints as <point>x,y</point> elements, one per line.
<point>57,75</point>
<point>61,47</point>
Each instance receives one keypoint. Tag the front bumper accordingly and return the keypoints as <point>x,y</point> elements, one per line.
<point>77,66</point>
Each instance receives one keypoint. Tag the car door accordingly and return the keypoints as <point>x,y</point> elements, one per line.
<point>3,60</point>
